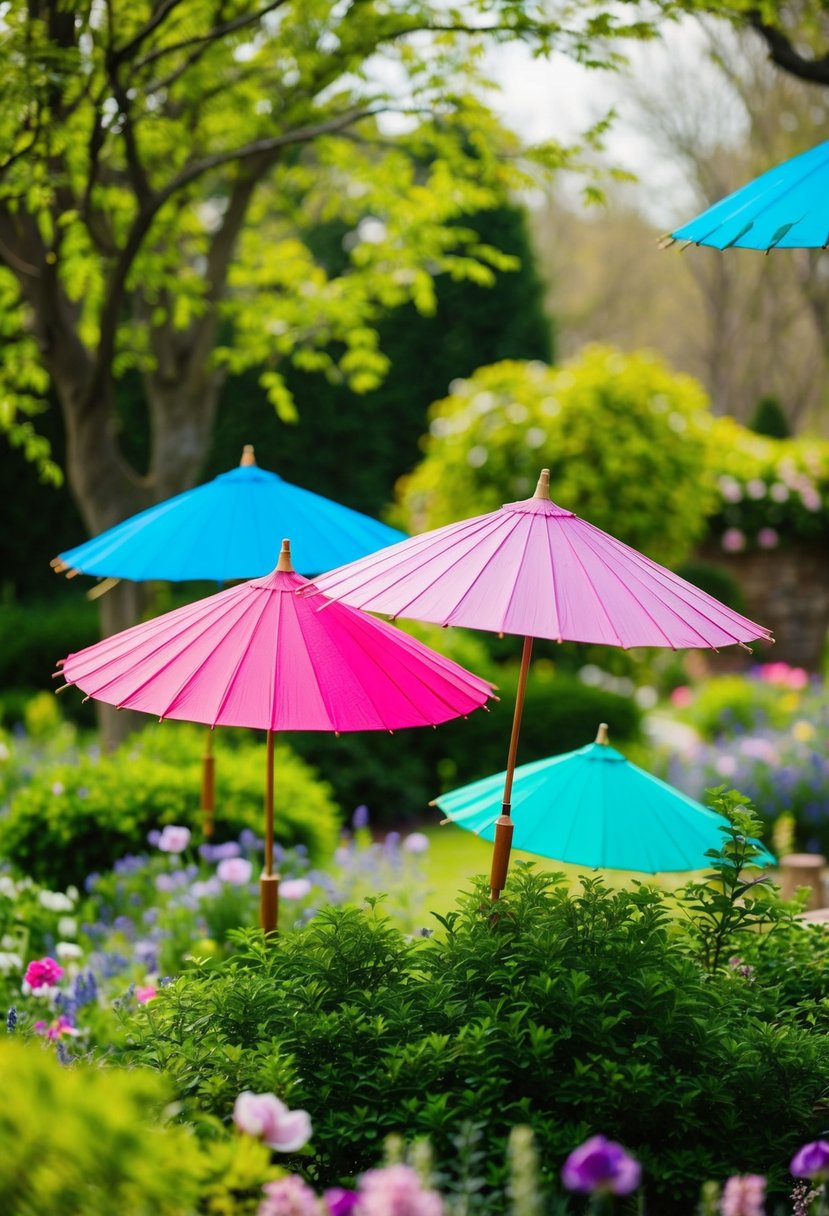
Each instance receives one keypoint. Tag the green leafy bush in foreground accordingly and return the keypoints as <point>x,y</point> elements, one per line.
<point>573,1014</point>
<point>81,1141</point>
<point>72,819</point>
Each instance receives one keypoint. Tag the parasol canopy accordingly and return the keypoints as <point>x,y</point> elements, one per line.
<point>224,530</point>
<point>592,807</point>
<point>785,208</point>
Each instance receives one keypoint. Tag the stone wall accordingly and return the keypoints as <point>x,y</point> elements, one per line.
<point>787,590</point>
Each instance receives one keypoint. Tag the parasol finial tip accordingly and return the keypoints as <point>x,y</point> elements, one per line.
<point>285,562</point>
<point>542,490</point>
<point>602,735</point>
<point>248,456</point>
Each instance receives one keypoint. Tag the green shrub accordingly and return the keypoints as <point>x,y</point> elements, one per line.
<point>715,581</point>
<point>36,635</point>
<point>624,437</point>
<point>398,775</point>
<point>575,1015</point>
<point>82,1142</point>
<point>723,704</point>
<point>72,819</point>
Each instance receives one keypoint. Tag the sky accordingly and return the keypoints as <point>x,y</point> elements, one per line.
<point>558,98</point>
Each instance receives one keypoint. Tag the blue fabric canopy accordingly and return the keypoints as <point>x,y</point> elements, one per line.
<point>786,208</point>
<point>231,528</point>
<point>592,807</point>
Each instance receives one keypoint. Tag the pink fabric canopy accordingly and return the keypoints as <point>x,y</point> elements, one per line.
<point>259,655</point>
<point>534,569</point>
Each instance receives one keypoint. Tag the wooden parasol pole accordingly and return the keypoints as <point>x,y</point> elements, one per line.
<point>269,881</point>
<point>504,826</point>
<point>208,786</point>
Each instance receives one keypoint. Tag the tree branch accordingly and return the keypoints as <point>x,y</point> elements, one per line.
<point>783,53</point>
<point>123,53</point>
<point>214,35</point>
<point>110,312</point>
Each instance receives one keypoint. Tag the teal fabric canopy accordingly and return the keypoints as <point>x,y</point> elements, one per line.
<point>592,807</point>
<point>785,208</point>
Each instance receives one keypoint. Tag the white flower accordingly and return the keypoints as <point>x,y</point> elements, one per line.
<point>416,842</point>
<point>55,901</point>
<point>174,839</point>
<point>7,886</point>
<point>68,926</point>
<point>10,962</point>
<point>68,950</point>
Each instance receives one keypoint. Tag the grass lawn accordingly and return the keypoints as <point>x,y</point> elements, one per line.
<point>455,856</point>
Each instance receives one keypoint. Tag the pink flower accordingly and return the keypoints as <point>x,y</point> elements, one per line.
<point>288,1196</point>
<point>56,1029</point>
<point>145,994</point>
<point>294,888</point>
<point>768,538</point>
<point>416,842</point>
<point>682,696</point>
<point>756,488</point>
<point>396,1191</point>
<point>743,1195</point>
<point>264,1116</point>
<point>174,839</point>
<point>42,973</point>
<point>235,870</point>
<point>733,540</point>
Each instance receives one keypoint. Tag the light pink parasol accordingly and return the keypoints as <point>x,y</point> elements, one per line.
<point>259,655</point>
<point>533,568</point>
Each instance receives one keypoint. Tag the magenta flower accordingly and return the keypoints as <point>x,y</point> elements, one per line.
<point>288,1196</point>
<point>743,1195</point>
<point>42,973</point>
<point>57,1029</point>
<point>174,839</point>
<point>600,1166</point>
<point>235,870</point>
<point>396,1191</point>
<point>339,1202</point>
<point>812,1161</point>
<point>264,1116</point>
<point>768,538</point>
<point>145,993</point>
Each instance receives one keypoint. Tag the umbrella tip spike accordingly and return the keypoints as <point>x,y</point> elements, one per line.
<point>602,734</point>
<point>248,456</point>
<point>542,490</point>
<point>284,562</point>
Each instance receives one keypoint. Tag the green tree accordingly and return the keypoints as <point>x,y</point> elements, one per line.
<point>162,163</point>
<point>624,439</point>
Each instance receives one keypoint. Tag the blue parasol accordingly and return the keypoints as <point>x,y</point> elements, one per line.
<point>592,807</point>
<point>785,208</point>
<point>230,528</point>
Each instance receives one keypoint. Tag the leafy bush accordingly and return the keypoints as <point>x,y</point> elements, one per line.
<point>624,438</point>
<point>82,1142</point>
<point>398,775</point>
<point>72,819</point>
<point>571,1014</point>
<point>36,635</point>
<point>726,705</point>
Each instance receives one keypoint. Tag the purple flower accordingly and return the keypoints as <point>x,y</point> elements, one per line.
<point>600,1165</point>
<point>733,540</point>
<point>743,1195</point>
<point>396,1191</point>
<point>812,1161</point>
<point>218,852</point>
<point>174,839</point>
<point>235,870</point>
<point>339,1202</point>
<point>288,1196</point>
<point>768,538</point>
<point>360,818</point>
<point>263,1115</point>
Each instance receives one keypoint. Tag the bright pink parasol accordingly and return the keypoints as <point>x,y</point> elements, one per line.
<point>533,568</point>
<point>261,656</point>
